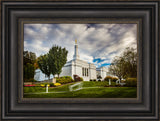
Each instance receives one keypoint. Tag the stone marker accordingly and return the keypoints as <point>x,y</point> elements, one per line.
<point>47,88</point>
<point>54,80</point>
<point>109,82</point>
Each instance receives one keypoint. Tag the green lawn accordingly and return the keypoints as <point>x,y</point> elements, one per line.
<point>96,90</point>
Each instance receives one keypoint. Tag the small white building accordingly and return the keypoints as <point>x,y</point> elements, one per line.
<point>39,76</point>
<point>77,67</point>
<point>102,71</point>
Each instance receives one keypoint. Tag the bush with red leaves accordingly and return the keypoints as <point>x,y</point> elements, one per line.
<point>77,78</point>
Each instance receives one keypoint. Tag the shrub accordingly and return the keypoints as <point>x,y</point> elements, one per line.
<point>61,80</point>
<point>38,84</point>
<point>30,85</point>
<point>77,78</point>
<point>67,77</point>
<point>107,78</point>
<point>64,80</point>
<point>114,79</point>
<point>118,85</point>
<point>57,84</point>
<point>94,79</point>
<point>123,81</point>
<point>131,82</point>
<point>52,85</point>
<point>90,80</point>
<point>81,79</point>
<point>30,80</point>
<point>42,85</point>
<point>99,80</point>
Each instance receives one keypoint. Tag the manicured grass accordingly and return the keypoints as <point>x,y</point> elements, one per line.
<point>96,90</point>
<point>97,83</point>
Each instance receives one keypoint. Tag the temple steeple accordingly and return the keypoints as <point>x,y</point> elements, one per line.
<point>76,55</point>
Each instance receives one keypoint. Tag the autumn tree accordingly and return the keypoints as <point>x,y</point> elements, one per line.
<point>29,59</point>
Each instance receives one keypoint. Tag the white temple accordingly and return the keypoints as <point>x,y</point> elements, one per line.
<point>77,67</point>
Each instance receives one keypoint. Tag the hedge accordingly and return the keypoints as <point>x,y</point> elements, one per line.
<point>30,80</point>
<point>64,80</point>
<point>114,79</point>
<point>131,82</point>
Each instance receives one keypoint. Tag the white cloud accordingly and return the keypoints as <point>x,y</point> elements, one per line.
<point>86,58</point>
<point>103,41</point>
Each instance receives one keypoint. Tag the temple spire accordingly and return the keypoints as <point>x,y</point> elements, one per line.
<point>76,55</point>
<point>75,41</point>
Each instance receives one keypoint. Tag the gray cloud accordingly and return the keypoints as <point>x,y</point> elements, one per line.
<point>103,41</point>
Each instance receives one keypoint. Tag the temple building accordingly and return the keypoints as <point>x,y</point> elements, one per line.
<point>102,71</point>
<point>77,67</point>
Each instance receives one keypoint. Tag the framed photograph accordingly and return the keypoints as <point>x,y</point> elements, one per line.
<point>58,66</point>
<point>80,60</point>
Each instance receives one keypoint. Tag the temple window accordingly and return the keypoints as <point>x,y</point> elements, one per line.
<point>87,71</point>
<point>82,71</point>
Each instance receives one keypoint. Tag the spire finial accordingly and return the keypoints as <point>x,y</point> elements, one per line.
<point>75,41</point>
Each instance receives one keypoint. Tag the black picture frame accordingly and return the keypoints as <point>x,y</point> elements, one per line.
<point>14,107</point>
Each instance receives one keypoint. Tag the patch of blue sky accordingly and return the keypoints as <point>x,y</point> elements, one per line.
<point>97,43</point>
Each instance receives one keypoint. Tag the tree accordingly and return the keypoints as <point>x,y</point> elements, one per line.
<point>116,68</point>
<point>29,71</point>
<point>43,63</point>
<point>36,63</point>
<point>28,65</point>
<point>57,59</point>
<point>29,57</point>
<point>52,62</point>
<point>125,65</point>
<point>130,57</point>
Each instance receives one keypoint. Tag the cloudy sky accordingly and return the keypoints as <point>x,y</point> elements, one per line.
<point>98,43</point>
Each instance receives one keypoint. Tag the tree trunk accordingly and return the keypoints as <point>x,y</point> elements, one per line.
<point>58,75</point>
<point>48,77</point>
<point>120,80</point>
